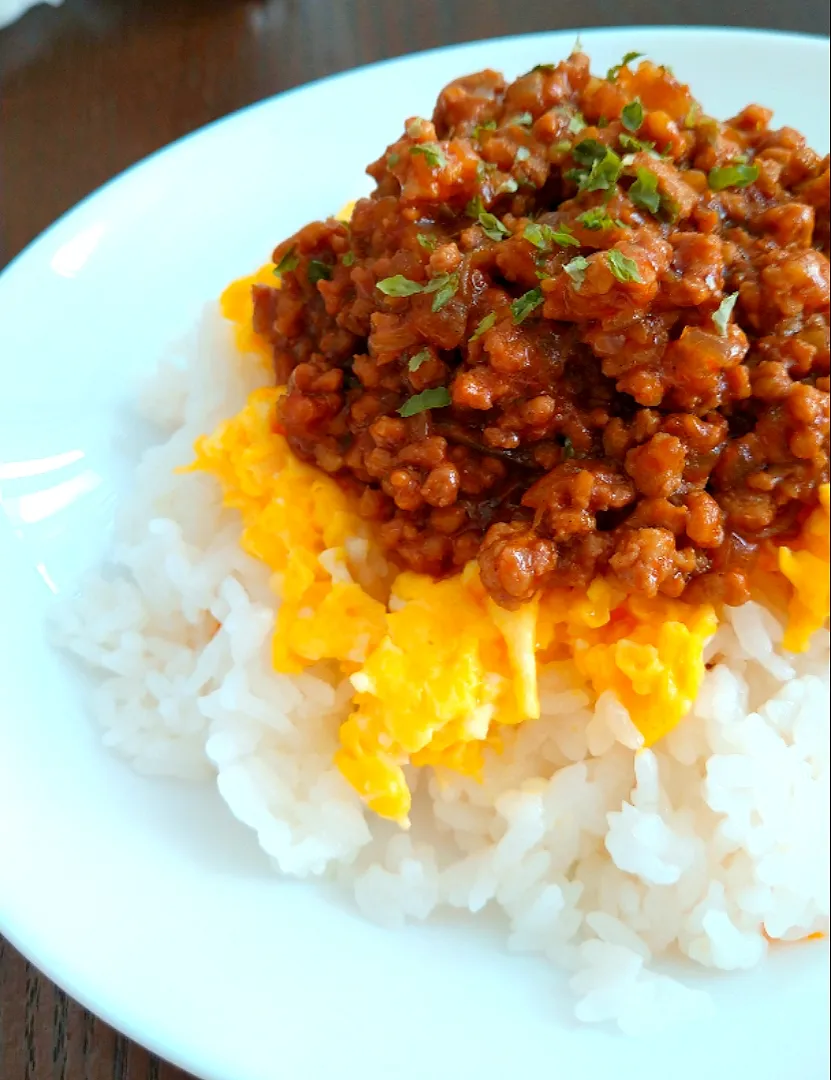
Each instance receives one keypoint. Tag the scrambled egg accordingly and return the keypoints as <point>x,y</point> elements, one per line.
<point>237,306</point>
<point>807,571</point>
<point>439,670</point>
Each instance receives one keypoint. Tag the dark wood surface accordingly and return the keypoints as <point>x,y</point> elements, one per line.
<point>93,86</point>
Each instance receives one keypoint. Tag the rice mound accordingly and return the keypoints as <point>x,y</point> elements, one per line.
<point>600,858</point>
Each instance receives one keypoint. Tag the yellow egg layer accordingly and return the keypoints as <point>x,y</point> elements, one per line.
<point>806,569</point>
<point>438,669</point>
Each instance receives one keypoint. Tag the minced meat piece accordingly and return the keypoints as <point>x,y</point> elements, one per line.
<point>569,337</point>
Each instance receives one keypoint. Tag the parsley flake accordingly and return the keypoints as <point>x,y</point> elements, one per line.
<point>721,316</point>
<point>398,285</point>
<point>429,243</point>
<point>492,227</point>
<point>544,237</point>
<point>484,326</point>
<point>288,262</point>
<point>528,302</point>
<point>589,151</point>
<point>436,398</point>
<point>738,175</point>
<point>568,448</point>
<point>444,287</point>
<point>507,187</point>
<point>415,362</point>
<point>631,115</point>
<point>624,268</point>
<point>489,125</point>
<point>432,152</point>
<point>576,270</point>
<point>318,271</point>
<point>349,258</point>
<point>393,159</point>
<point>629,142</point>
<point>576,123</point>
<point>613,72</point>
<point>523,119</point>
<point>598,218</point>
<point>604,174</point>
<point>644,192</point>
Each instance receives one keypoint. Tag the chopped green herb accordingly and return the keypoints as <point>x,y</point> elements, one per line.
<point>522,308</point>
<point>562,147</point>
<point>491,226</point>
<point>523,119</point>
<point>398,285</point>
<point>415,362</point>
<point>348,258</point>
<point>576,123</point>
<point>543,67</point>
<point>589,151</point>
<point>475,207</point>
<point>602,122</point>
<point>738,175</point>
<point>604,174</point>
<point>644,192</point>
<point>544,237</point>
<point>432,152</point>
<point>624,268</point>
<point>576,270</point>
<point>288,262</point>
<point>631,115</point>
<point>428,242</point>
<point>692,117</point>
<point>444,287</point>
<point>613,72</point>
<point>507,187</point>
<point>490,223</point>
<point>522,154</point>
<point>318,271</point>
<point>392,159</point>
<point>568,448</point>
<point>437,398</point>
<point>484,326</point>
<point>629,142</point>
<point>598,218</point>
<point>489,125</point>
<point>721,316</point>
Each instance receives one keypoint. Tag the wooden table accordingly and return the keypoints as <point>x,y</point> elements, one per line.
<point>89,88</point>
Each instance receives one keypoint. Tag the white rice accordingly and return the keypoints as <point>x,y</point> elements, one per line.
<point>601,858</point>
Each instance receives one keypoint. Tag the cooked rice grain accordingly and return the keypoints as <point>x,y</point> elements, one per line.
<point>600,858</point>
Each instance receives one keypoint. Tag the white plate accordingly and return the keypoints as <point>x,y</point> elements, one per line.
<point>144,899</point>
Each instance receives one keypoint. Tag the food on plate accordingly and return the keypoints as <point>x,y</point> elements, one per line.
<point>507,520</point>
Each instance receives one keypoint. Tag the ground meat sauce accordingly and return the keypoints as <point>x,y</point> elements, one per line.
<point>578,328</point>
